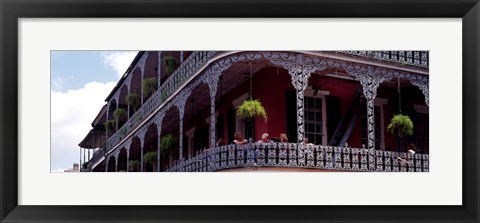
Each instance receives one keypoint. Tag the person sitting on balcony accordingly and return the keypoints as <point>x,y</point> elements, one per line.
<point>265,138</point>
<point>238,138</point>
<point>283,138</point>
<point>221,142</point>
<point>305,142</point>
<point>411,148</point>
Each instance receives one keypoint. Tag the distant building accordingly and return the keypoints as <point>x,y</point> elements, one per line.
<point>340,101</point>
<point>76,168</point>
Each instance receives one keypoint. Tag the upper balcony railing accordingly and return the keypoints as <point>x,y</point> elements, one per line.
<point>294,155</point>
<point>412,58</point>
<point>186,69</point>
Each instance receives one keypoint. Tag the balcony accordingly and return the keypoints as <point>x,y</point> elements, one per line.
<point>198,60</point>
<point>189,67</point>
<point>412,58</point>
<point>294,155</point>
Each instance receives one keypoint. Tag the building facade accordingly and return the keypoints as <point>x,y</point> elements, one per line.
<point>340,101</point>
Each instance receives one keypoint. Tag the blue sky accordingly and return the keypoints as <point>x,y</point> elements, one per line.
<point>80,82</point>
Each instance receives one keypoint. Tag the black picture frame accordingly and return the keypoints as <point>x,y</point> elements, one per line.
<point>11,11</point>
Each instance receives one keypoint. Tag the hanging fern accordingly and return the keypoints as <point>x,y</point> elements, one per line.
<point>150,158</point>
<point>170,64</point>
<point>110,125</point>
<point>120,114</point>
<point>134,101</point>
<point>400,126</point>
<point>167,143</point>
<point>133,165</point>
<point>252,108</point>
<point>149,86</point>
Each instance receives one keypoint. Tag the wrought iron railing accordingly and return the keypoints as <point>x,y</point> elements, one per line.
<point>293,155</point>
<point>190,66</point>
<point>98,154</point>
<point>412,58</point>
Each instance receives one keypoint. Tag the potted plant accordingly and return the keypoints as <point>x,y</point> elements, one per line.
<point>150,159</point>
<point>400,126</point>
<point>110,125</point>
<point>134,100</point>
<point>120,114</point>
<point>167,144</point>
<point>170,64</point>
<point>251,109</point>
<point>133,165</point>
<point>149,86</point>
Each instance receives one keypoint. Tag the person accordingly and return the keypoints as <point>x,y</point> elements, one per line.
<point>283,138</point>
<point>265,138</point>
<point>238,138</point>
<point>305,142</point>
<point>411,148</point>
<point>221,142</point>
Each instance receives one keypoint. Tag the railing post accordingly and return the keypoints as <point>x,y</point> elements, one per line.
<point>328,157</point>
<point>282,154</point>
<point>379,160</point>
<point>388,161</point>
<point>346,158</point>
<point>395,162</point>
<point>320,157</point>
<point>292,154</point>
<point>272,154</point>
<point>231,156</point>
<point>425,158</point>
<point>338,158</point>
<point>363,159</point>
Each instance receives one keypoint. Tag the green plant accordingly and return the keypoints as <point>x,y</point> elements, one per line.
<point>134,100</point>
<point>170,64</point>
<point>150,158</point>
<point>252,108</point>
<point>110,124</point>
<point>133,165</point>
<point>139,117</point>
<point>149,86</point>
<point>400,126</point>
<point>120,114</point>
<point>123,131</point>
<point>164,95</point>
<point>167,144</point>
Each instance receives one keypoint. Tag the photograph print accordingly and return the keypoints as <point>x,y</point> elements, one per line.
<point>240,111</point>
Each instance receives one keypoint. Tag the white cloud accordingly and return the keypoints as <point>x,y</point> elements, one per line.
<point>119,60</point>
<point>57,83</point>
<point>72,114</point>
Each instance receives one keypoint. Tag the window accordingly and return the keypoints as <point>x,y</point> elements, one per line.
<point>314,120</point>
<point>420,128</point>
<point>421,132</point>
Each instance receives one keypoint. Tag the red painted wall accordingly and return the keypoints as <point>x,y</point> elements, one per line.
<point>270,85</point>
